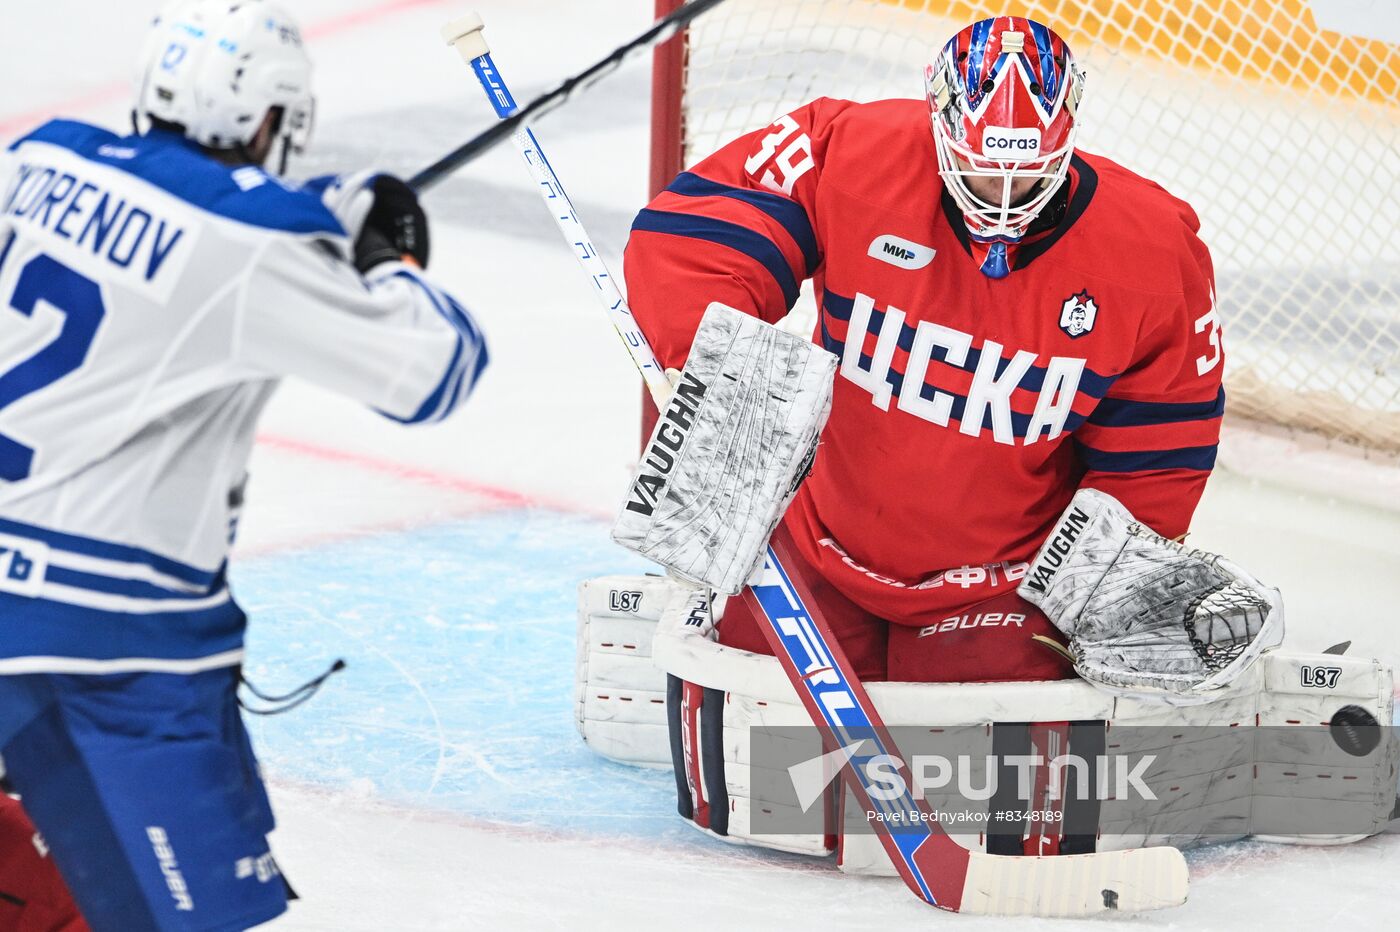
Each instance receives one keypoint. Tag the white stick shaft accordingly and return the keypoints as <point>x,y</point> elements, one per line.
<point>604,285</point>
<point>467,37</point>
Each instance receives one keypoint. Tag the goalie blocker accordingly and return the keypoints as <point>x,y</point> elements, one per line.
<point>729,450</point>
<point>654,688</point>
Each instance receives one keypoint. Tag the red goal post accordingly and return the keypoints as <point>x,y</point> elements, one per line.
<point>1281,134</point>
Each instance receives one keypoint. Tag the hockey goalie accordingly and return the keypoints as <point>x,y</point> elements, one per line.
<point>1025,414</point>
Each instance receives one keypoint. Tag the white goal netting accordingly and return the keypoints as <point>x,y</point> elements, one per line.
<point>1284,137</point>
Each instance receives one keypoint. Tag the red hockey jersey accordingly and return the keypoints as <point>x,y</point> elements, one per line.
<point>968,409</point>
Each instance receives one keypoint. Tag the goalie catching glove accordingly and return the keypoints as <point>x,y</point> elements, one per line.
<point>729,450</point>
<point>1147,616</point>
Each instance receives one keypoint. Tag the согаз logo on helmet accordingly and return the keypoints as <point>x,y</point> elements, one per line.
<point>1022,142</point>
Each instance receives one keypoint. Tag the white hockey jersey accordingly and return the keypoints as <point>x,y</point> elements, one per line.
<point>150,299</point>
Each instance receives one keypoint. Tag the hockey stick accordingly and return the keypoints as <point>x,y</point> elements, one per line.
<point>513,118</point>
<point>936,868</point>
<point>466,36</point>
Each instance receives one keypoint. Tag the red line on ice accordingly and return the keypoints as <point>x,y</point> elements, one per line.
<point>431,477</point>
<point>337,24</point>
<point>497,497</point>
<point>116,89</point>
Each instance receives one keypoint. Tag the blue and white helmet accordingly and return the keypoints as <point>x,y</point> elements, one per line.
<point>216,67</point>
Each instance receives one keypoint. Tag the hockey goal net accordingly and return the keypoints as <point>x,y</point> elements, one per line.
<point>1285,138</point>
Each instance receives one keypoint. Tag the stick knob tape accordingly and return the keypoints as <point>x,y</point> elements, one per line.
<point>467,37</point>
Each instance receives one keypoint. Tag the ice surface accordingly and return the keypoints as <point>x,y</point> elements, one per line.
<point>437,783</point>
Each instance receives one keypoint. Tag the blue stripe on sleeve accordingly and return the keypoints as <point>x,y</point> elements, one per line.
<point>471,369</point>
<point>429,409</point>
<point>1202,458</point>
<point>741,239</point>
<point>1118,412</point>
<point>789,214</point>
<point>112,585</point>
<point>469,357</point>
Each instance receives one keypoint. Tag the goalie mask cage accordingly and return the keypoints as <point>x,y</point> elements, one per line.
<point>1284,137</point>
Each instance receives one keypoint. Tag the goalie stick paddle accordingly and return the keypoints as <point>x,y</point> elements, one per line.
<point>933,865</point>
<point>515,118</point>
<point>936,868</point>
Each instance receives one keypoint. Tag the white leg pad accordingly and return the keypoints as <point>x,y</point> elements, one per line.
<point>1309,689</point>
<point>1214,779</point>
<point>635,630</point>
<point>620,695</point>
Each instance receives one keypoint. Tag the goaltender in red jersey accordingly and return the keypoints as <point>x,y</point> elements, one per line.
<point>1016,320</point>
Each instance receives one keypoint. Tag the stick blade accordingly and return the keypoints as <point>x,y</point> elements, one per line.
<point>1075,885</point>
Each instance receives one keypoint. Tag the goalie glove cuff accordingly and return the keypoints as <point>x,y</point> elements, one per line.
<point>1146,615</point>
<point>1086,541</point>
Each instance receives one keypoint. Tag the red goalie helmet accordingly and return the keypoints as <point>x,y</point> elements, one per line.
<point>1003,94</point>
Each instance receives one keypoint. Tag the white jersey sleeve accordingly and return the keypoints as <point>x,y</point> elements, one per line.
<point>391,339</point>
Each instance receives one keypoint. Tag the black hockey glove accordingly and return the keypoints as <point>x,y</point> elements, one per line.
<point>395,227</point>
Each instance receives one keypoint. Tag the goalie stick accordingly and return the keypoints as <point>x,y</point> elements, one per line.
<point>933,865</point>
<point>514,118</point>
<point>465,35</point>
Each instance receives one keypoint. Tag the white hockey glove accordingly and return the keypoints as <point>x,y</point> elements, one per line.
<point>1147,616</point>
<point>729,451</point>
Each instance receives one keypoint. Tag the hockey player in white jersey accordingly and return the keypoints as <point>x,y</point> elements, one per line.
<point>153,290</point>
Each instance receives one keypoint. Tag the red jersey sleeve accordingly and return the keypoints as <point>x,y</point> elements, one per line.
<point>737,228</point>
<point>1151,441</point>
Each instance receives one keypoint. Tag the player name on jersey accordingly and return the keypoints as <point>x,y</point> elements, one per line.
<point>111,225</point>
